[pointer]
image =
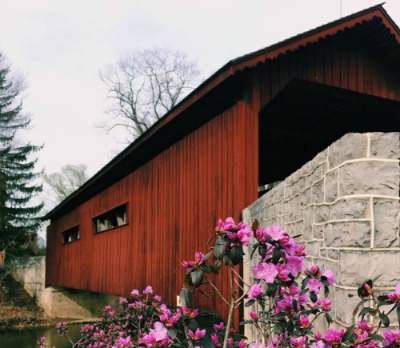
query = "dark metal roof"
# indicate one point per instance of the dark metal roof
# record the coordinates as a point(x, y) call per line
point(372, 24)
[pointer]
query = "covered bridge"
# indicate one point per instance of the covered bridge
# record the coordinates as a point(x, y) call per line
point(255, 121)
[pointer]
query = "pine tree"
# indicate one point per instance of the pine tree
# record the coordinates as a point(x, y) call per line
point(18, 216)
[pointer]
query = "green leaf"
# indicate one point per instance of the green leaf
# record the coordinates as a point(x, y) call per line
point(279, 328)
point(249, 303)
point(197, 277)
point(276, 255)
point(271, 289)
point(236, 255)
point(262, 250)
point(193, 324)
point(304, 283)
point(188, 279)
point(365, 311)
point(290, 328)
point(376, 336)
point(328, 318)
point(186, 297)
point(358, 306)
point(349, 334)
point(219, 248)
point(207, 256)
point(326, 292)
point(313, 297)
point(384, 319)
point(213, 269)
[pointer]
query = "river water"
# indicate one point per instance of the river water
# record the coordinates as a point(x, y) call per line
point(28, 338)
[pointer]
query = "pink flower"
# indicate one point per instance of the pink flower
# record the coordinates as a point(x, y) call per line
point(265, 271)
point(395, 296)
point(244, 234)
point(275, 233)
point(299, 342)
point(257, 345)
point(215, 339)
point(197, 335)
point(124, 342)
point(314, 285)
point(328, 274)
point(304, 321)
point(392, 337)
point(294, 265)
point(157, 298)
point(255, 291)
point(254, 316)
point(148, 290)
point(219, 327)
point(334, 337)
point(135, 292)
point(157, 335)
point(324, 303)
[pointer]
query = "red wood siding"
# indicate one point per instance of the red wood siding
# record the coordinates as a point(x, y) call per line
point(173, 203)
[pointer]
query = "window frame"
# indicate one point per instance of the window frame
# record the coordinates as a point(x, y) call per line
point(74, 230)
point(111, 219)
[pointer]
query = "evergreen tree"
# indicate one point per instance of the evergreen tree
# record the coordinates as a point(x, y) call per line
point(18, 216)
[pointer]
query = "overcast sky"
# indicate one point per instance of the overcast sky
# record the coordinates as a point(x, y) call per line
point(62, 44)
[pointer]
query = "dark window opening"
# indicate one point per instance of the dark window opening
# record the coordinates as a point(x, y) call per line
point(111, 219)
point(71, 235)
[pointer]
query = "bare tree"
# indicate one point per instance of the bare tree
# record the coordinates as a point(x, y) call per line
point(145, 85)
point(64, 182)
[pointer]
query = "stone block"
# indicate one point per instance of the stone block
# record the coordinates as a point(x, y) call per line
point(312, 249)
point(350, 209)
point(319, 172)
point(387, 222)
point(350, 146)
point(322, 213)
point(331, 186)
point(318, 231)
point(348, 234)
point(305, 197)
point(317, 192)
point(383, 267)
point(345, 301)
point(333, 254)
point(385, 145)
point(308, 220)
point(381, 178)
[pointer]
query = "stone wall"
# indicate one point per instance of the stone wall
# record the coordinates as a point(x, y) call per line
point(58, 303)
point(345, 205)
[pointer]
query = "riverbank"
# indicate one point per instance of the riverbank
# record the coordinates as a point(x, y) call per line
point(18, 310)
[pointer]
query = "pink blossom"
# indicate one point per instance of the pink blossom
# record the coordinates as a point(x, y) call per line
point(392, 337)
point(265, 271)
point(314, 285)
point(328, 274)
point(197, 335)
point(124, 342)
point(148, 290)
point(294, 265)
point(318, 344)
point(334, 337)
point(298, 342)
point(274, 232)
point(257, 345)
point(395, 296)
point(244, 234)
point(324, 303)
point(283, 273)
point(157, 298)
point(255, 291)
point(157, 335)
point(261, 234)
point(254, 316)
point(219, 327)
point(241, 344)
point(314, 269)
point(135, 292)
point(215, 339)
point(304, 321)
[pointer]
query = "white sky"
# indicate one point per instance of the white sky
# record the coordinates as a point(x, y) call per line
point(61, 44)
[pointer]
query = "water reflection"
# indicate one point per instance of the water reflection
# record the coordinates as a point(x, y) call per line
point(27, 338)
